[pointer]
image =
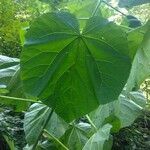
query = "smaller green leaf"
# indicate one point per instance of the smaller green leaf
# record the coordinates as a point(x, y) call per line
point(135, 38)
point(120, 113)
point(114, 121)
point(8, 67)
point(141, 64)
point(138, 98)
point(97, 141)
point(128, 111)
point(10, 83)
point(99, 115)
point(76, 136)
point(85, 127)
point(35, 119)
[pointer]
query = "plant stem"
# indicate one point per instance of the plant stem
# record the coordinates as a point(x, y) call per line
point(83, 18)
point(113, 8)
point(126, 27)
point(48, 118)
point(56, 139)
point(96, 8)
point(18, 99)
point(91, 122)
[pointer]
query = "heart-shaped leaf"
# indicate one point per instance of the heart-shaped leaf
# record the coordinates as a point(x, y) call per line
point(74, 71)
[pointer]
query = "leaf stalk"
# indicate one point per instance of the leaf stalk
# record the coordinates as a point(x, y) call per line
point(55, 139)
point(91, 122)
point(9, 98)
point(96, 8)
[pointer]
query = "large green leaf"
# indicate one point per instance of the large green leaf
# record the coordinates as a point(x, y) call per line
point(35, 119)
point(126, 109)
point(141, 64)
point(97, 141)
point(69, 70)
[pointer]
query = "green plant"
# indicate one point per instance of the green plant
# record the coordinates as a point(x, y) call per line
point(14, 15)
point(67, 71)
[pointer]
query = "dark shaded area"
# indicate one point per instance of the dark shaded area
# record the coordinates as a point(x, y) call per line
point(11, 49)
point(133, 21)
point(11, 125)
point(135, 137)
point(132, 3)
point(3, 144)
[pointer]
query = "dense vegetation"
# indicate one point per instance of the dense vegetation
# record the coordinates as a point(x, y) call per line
point(74, 74)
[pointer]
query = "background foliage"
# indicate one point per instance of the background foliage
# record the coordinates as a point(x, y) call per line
point(101, 125)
